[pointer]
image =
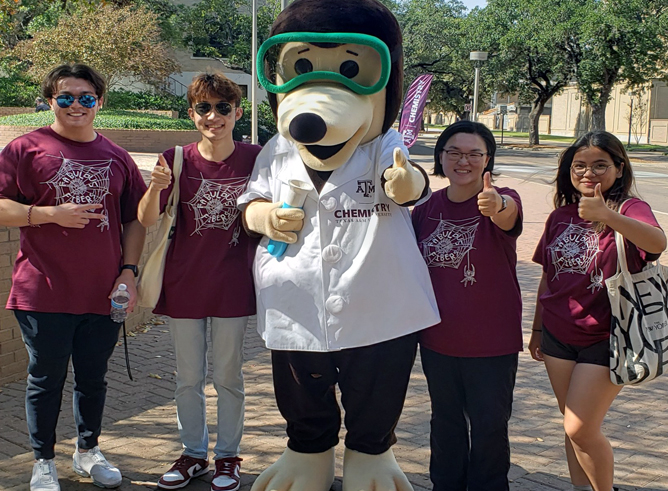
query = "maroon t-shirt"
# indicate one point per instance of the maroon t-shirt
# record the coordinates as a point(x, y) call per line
point(472, 266)
point(577, 261)
point(208, 271)
point(69, 270)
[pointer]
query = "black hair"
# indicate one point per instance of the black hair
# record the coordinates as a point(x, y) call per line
point(472, 128)
point(622, 188)
point(77, 70)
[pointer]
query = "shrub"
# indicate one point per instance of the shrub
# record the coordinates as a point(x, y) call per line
point(17, 91)
point(107, 119)
point(125, 99)
point(266, 127)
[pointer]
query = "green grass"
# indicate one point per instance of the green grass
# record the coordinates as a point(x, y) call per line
point(647, 148)
point(107, 119)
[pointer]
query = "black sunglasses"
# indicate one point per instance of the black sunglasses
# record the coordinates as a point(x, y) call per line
point(204, 108)
point(85, 100)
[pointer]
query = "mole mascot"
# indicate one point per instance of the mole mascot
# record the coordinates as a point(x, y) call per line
point(344, 301)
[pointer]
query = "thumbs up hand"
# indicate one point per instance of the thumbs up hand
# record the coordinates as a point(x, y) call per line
point(489, 200)
point(593, 208)
point(403, 182)
point(161, 176)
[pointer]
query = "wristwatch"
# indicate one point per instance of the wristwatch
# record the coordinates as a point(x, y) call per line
point(131, 267)
point(504, 204)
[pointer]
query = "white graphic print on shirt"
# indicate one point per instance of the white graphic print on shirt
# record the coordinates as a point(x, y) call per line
point(215, 204)
point(447, 246)
point(83, 182)
point(573, 251)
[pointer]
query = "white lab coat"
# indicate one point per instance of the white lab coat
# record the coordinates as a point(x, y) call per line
point(355, 277)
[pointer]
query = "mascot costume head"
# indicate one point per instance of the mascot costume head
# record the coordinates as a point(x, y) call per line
point(343, 298)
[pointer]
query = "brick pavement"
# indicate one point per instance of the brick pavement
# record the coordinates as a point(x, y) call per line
point(140, 434)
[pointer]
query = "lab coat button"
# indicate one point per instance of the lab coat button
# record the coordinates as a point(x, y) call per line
point(329, 203)
point(332, 254)
point(334, 304)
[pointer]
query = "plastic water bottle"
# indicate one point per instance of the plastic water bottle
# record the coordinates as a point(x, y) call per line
point(120, 300)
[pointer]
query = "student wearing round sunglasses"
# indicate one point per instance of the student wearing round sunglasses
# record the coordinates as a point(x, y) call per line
point(571, 329)
point(467, 233)
point(207, 279)
point(74, 195)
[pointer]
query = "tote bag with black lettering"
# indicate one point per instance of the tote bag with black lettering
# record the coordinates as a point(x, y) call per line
point(149, 285)
point(639, 331)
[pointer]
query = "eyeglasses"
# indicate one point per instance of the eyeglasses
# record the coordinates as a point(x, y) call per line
point(456, 156)
point(204, 108)
point(86, 100)
point(597, 169)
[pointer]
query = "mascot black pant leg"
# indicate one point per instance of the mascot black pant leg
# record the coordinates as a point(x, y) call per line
point(373, 381)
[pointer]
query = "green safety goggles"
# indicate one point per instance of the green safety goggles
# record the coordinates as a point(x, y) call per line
point(288, 60)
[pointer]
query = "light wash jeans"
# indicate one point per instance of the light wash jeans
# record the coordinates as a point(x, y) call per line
point(190, 348)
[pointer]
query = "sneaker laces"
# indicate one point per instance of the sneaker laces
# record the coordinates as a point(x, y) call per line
point(97, 456)
point(45, 470)
point(228, 466)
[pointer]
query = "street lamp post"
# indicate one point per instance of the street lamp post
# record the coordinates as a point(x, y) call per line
point(478, 57)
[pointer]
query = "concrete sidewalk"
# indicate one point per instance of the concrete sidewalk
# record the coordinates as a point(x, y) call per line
point(140, 433)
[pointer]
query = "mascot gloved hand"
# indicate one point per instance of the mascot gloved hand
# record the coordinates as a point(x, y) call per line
point(274, 221)
point(334, 76)
point(404, 183)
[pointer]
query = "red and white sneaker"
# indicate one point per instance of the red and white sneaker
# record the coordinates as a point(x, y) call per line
point(183, 470)
point(226, 477)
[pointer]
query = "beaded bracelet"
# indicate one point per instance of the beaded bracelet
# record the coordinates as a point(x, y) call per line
point(30, 224)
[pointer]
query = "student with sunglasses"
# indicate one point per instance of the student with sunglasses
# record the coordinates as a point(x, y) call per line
point(74, 195)
point(207, 279)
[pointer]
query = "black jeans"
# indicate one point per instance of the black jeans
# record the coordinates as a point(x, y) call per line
point(51, 339)
point(373, 381)
point(471, 403)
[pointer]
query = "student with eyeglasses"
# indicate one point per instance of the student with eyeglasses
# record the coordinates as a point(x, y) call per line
point(467, 233)
point(207, 279)
point(74, 195)
point(571, 328)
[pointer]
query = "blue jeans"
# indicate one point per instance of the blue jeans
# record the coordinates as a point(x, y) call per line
point(471, 403)
point(51, 339)
point(190, 348)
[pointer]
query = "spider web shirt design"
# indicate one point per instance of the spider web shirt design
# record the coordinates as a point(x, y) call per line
point(574, 250)
point(83, 182)
point(452, 240)
point(215, 203)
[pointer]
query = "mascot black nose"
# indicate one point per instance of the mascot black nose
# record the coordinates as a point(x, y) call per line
point(308, 128)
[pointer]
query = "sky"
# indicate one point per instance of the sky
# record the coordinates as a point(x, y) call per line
point(470, 4)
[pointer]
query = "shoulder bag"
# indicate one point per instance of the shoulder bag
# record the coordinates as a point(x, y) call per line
point(149, 285)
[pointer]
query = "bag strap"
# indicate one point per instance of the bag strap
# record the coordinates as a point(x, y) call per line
point(621, 248)
point(176, 172)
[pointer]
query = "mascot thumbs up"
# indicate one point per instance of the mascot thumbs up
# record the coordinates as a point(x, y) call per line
point(344, 301)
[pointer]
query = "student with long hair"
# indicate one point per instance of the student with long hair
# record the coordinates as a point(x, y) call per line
point(571, 327)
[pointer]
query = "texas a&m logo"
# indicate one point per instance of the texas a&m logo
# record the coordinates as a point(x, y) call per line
point(366, 188)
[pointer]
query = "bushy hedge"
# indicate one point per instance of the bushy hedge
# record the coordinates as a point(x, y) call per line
point(18, 92)
point(266, 127)
point(107, 119)
point(124, 99)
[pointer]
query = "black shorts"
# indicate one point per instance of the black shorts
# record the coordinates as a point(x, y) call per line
point(594, 354)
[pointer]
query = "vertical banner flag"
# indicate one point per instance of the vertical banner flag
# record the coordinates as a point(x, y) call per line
point(411, 113)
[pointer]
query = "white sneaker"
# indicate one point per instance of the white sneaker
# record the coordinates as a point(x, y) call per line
point(93, 464)
point(44, 476)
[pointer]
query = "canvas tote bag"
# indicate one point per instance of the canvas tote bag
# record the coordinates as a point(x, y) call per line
point(639, 330)
point(149, 284)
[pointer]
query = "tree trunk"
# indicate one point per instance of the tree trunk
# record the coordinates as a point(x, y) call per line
point(598, 116)
point(537, 107)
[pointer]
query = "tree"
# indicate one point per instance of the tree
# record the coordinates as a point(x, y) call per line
point(620, 41)
point(222, 29)
point(436, 42)
point(530, 45)
point(118, 42)
point(638, 113)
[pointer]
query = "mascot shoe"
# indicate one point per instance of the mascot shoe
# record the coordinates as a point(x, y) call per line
point(364, 472)
point(296, 471)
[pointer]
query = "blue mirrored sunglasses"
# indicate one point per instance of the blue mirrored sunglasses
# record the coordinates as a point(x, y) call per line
point(85, 100)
